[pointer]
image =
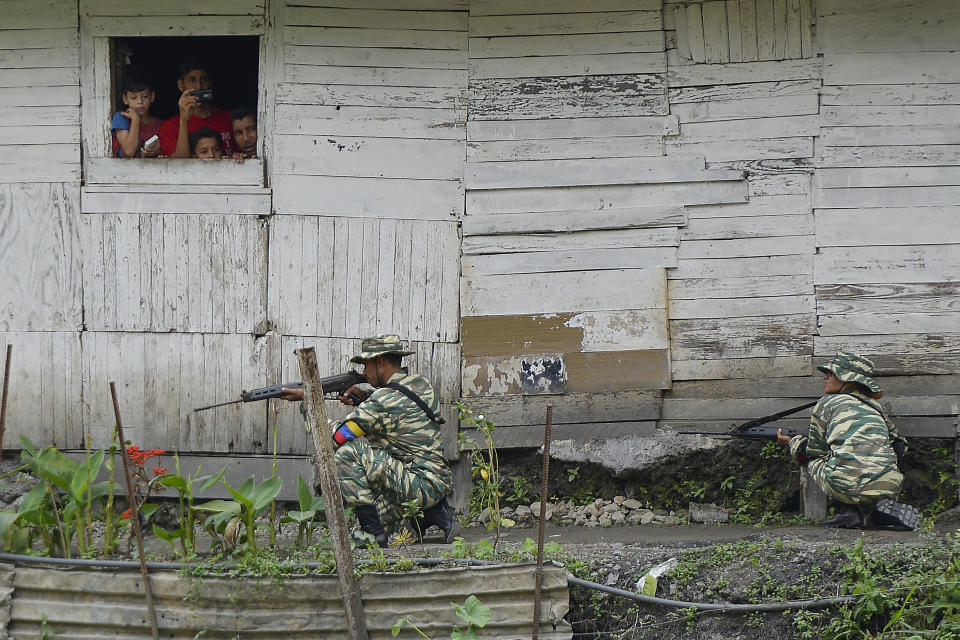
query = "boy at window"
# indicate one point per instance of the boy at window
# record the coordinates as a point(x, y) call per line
point(194, 114)
point(244, 122)
point(205, 144)
point(134, 125)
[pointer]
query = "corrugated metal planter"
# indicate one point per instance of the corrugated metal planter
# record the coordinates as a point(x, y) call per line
point(88, 604)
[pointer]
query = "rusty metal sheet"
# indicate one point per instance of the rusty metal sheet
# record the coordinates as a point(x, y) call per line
point(91, 604)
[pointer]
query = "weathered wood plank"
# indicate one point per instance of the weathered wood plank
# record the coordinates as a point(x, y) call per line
point(40, 272)
point(599, 197)
point(569, 221)
point(576, 408)
point(747, 247)
point(561, 66)
point(743, 267)
point(733, 287)
point(374, 76)
point(364, 96)
point(38, 58)
point(787, 183)
point(39, 96)
point(854, 299)
point(765, 226)
point(743, 92)
point(719, 338)
point(376, 18)
point(176, 200)
point(581, 291)
point(838, 265)
point(601, 239)
point(44, 401)
point(742, 307)
point(748, 34)
point(772, 205)
point(24, 172)
point(565, 148)
point(628, 94)
point(737, 73)
point(141, 171)
point(889, 156)
point(884, 115)
point(171, 8)
point(734, 29)
point(887, 177)
point(362, 157)
point(779, 366)
point(571, 128)
point(571, 173)
point(915, 134)
point(899, 27)
point(370, 122)
point(505, 335)
point(910, 94)
point(618, 371)
point(757, 128)
point(693, 37)
point(569, 23)
point(870, 197)
point(532, 435)
point(532, 374)
point(153, 26)
point(747, 109)
point(365, 37)
point(901, 354)
point(891, 68)
point(891, 324)
point(508, 8)
point(368, 197)
point(889, 226)
point(731, 150)
point(716, 37)
point(568, 260)
point(571, 44)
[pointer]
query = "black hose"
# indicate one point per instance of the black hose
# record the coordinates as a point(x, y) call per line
point(821, 603)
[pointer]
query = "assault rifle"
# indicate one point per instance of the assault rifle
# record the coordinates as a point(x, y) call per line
point(754, 429)
point(331, 384)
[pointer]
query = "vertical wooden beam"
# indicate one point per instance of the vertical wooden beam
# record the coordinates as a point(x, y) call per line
point(695, 33)
point(734, 30)
point(332, 499)
point(748, 30)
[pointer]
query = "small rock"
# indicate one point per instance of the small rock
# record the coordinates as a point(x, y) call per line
point(646, 516)
point(617, 517)
point(484, 516)
point(507, 512)
point(535, 507)
point(561, 509)
point(660, 519)
point(672, 521)
point(613, 578)
point(610, 508)
point(591, 511)
point(522, 511)
point(631, 504)
point(700, 512)
point(618, 499)
point(660, 512)
point(634, 518)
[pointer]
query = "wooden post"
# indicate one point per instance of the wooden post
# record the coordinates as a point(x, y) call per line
point(3, 399)
point(333, 501)
point(812, 499)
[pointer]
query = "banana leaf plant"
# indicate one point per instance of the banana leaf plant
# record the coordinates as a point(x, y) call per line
point(306, 516)
point(250, 501)
point(187, 488)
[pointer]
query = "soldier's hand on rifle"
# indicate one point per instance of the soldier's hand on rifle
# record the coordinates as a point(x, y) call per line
point(782, 440)
point(291, 394)
point(349, 397)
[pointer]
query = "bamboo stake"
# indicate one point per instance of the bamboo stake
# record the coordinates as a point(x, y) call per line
point(544, 487)
point(3, 399)
point(135, 515)
point(326, 471)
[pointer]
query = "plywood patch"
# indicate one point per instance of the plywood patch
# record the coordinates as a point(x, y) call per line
point(505, 335)
point(618, 370)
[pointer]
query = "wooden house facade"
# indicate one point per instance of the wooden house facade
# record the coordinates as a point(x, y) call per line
point(643, 212)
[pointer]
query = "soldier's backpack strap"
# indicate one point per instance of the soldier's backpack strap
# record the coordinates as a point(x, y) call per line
point(419, 402)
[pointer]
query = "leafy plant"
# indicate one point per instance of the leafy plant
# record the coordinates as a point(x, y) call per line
point(250, 501)
point(474, 613)
point(187, 488)
point(485, 467)
point(310, 506)
point(520, 493)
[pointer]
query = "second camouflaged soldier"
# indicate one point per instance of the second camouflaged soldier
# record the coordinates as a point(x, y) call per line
point(389, 449)
point(853, 448)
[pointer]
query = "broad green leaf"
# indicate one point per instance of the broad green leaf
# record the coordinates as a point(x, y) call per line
point(177, 482)
point(242, 495)
point(169, 536)
point(7, 518)
point(56, 467)
point(100, 491)
point(33, 501)
point(263, 495)
point(304, 495)
point(148, 509)
point(220, 506)
point(208, 481)
point(298, 516)
point(85, 475)
point(27, 447)
point(395, 629)
point(473, 612)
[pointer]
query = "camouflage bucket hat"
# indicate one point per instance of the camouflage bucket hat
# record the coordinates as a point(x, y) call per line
point(378, 346)
point(850, 367)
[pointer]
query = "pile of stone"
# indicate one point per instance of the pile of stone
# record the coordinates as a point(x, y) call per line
point(599, 513)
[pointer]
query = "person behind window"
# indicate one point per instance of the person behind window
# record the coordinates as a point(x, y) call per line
point(133, 126)
point(205, 143)
point(195, 113)
point(243, 120)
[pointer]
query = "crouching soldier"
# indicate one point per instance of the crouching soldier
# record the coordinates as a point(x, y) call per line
point(853, 448)
point(389, 449)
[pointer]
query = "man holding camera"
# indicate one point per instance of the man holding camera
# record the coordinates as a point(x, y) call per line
point(196, 111)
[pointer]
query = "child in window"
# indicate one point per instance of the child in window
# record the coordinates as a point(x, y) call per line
point(206, 143)
point(133, 126)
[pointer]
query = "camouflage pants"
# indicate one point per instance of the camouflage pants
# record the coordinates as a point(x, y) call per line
point(846, 486)
point(369, 476)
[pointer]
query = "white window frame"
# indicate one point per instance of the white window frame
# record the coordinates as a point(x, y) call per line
point(134, 185)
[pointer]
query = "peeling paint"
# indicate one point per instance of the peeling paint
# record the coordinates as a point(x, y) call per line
point(621, 330)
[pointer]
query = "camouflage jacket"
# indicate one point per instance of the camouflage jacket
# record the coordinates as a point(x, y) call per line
point(393, 422)
point(854, 430)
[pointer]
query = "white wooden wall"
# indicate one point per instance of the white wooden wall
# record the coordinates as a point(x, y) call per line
point(638, 211)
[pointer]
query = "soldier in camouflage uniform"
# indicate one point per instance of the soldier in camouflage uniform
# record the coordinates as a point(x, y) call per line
point(853, 447)
point(389, 448)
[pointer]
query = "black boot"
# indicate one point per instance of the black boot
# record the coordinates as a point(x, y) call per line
point(441, 515)
point(847, 516)
point(370, 523)
point(890, 513)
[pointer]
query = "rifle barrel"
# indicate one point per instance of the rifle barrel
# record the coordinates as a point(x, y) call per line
point(221, 404)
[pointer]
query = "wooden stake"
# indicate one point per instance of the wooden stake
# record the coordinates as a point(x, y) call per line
point(135, 515)
point(3, 399)
point(326, 471)
point(541, 524)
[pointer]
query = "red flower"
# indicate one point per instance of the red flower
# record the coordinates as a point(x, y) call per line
point(159, 471)
point(126, 515)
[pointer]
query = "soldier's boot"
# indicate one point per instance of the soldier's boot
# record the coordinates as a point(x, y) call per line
point(847, 516)
point(441, 515)
point(370, 523)
point(892, 513)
